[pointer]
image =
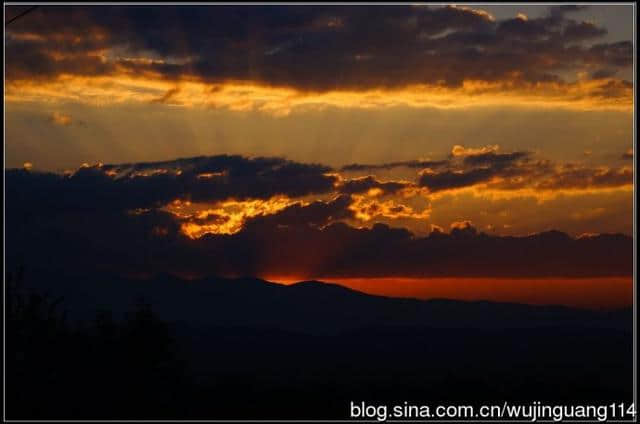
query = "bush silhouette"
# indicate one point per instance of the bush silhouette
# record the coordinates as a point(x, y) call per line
point(105, 368)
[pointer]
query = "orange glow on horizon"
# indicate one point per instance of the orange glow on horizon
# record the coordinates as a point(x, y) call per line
point(592, 293)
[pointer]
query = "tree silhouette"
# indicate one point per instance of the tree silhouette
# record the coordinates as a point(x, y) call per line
point(105, 368)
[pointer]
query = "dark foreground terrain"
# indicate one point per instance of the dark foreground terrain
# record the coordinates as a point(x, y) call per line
point(104, 347)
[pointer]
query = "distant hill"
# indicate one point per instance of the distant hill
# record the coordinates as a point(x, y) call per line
point(308, 307)
point(304, 351)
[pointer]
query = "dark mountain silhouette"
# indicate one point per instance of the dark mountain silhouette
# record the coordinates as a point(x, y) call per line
point(309, 306)
point(250, 349)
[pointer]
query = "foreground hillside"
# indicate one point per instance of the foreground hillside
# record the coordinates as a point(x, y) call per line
point(213, 347)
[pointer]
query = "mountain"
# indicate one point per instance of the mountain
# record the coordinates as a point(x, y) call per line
point(311, 307)
point(306, 350)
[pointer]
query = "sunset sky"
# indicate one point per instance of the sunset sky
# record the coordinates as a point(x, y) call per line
point(202, 132)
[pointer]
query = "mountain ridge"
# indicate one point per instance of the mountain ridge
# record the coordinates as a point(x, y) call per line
point(308, 306)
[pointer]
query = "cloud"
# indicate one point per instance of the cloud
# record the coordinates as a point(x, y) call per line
point(458, 150)
point(167, 97)
point(225, 217)
point(628, 154)
point(436, 181)
point(303, 241)
point(603, 73)
point(518, 170)
point(372, 185)
point(59, 118)
point(495, 160)
point(419, 164)
point(234, 215)
point(207, 182)
point(463, 226)
point(366, 209)
point(582, 31)
point(588, 214)
point(155, 184)
point(315, 214)
point(318, 49)
point(560, 11)
point(575, 176)
point(473, 166)
point(231, 217)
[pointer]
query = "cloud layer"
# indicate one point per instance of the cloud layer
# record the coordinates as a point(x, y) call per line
point(235, 215)
point(318, 49)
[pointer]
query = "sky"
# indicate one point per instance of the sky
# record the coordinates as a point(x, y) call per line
point(213, 129)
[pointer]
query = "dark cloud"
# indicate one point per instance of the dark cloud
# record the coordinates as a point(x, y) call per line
point(612, 89)
point(417, 164)
point(154, 184)
point(518, 170)
point(316, 214)
point(130, 186)
point(301, 241)
point(167, 97)
point(603, 73)
point(364, 184)
point(618, 54)
point(571, 176)
point(582, 31)
point(495, 160)
point(476, 168)
point(437, 181)
point(109, 218)
point(464, 229)
point(309, 47)
point(561, 10)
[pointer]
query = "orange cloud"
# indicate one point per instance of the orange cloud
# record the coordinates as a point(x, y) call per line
point(460, 225)
point(281, 101)
point(588, 214)
point(454, 56)
point(485, 191)
point(60, 118)
point(458, 150)
point(366, 208)
point(226, 217)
